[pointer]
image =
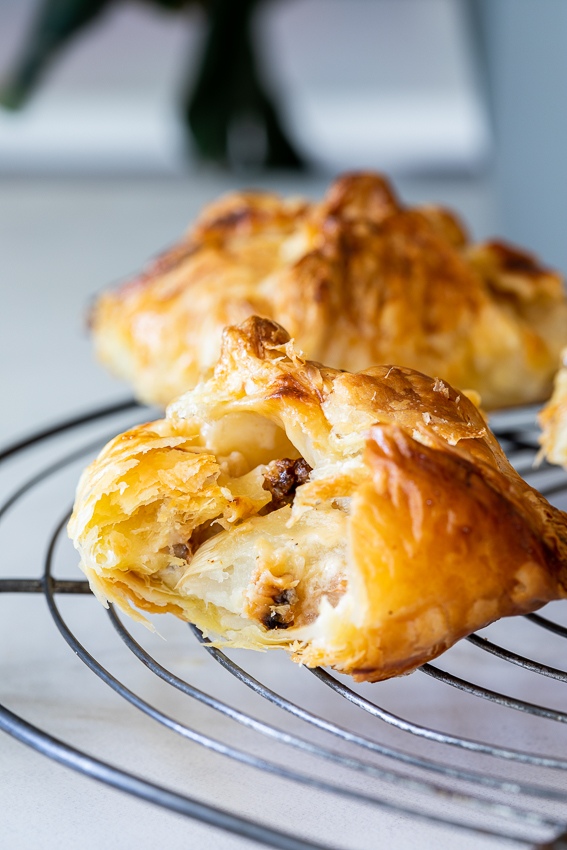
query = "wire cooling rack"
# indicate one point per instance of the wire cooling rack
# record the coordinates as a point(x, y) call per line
point(518, 795)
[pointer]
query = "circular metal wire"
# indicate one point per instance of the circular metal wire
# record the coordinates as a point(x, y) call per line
point(431, 780)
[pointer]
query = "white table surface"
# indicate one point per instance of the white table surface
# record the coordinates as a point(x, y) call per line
point(59, 243)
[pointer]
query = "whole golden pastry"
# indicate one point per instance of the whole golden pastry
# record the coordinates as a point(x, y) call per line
point(363, 521)
point(357, 280)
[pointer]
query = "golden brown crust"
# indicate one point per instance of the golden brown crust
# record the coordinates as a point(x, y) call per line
point(431, 520)
point(357, 279)
point(407, 530)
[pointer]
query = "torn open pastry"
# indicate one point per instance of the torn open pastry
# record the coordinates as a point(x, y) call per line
point(363, 521)
point(357, 279)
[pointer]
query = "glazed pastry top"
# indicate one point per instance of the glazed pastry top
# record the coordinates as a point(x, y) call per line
point(358, 280)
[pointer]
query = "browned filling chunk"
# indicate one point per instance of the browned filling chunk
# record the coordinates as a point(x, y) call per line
point(271, 599)
point(200, 535)
point(281, 479)
point(280, 615)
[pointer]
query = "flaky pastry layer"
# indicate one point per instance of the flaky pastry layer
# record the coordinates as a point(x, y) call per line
point(358, 279)
point(363, 521)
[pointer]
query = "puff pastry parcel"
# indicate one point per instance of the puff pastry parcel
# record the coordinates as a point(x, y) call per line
point(553, 420)
point(364, 521)
point(357, 280)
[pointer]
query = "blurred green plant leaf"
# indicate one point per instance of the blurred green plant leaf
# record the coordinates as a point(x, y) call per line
point(56, 22)
point(232, 118)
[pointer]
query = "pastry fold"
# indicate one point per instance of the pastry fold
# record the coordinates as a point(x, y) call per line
point(362, 521)
point(357, 279)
